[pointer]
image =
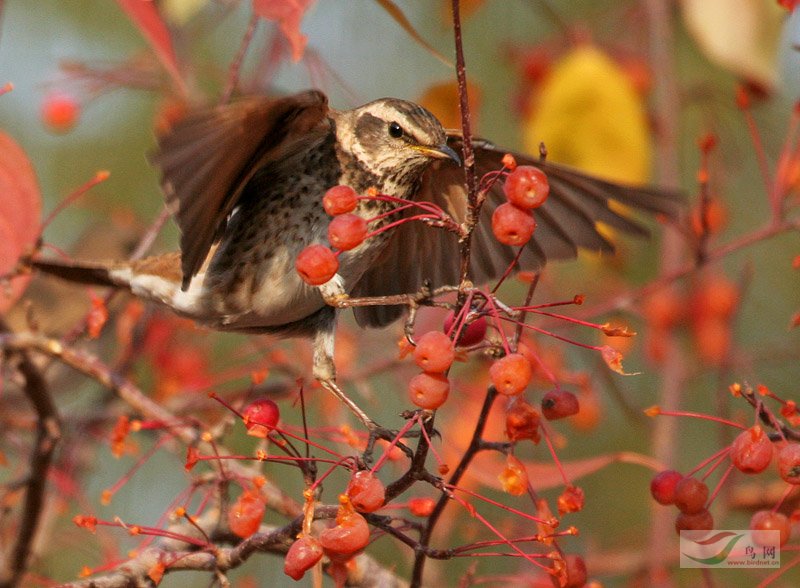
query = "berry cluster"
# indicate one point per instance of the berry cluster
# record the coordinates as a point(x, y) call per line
point(751, 453)
point(317, 264)
point(525, 188)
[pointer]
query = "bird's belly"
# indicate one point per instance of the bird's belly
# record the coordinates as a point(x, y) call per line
point(267, 294)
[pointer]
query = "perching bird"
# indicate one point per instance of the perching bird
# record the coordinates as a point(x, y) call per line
point(248, 178)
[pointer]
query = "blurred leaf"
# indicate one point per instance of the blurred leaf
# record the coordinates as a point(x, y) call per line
point(145, 16)
point(288, 14)
point(20, 212)
point(739, 35)
point(589, 115)
point(442, 100)
point(400, 18)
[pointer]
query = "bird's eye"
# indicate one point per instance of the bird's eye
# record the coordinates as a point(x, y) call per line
point(395, 130)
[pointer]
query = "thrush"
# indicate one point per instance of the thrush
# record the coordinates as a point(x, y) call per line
point(246, 182)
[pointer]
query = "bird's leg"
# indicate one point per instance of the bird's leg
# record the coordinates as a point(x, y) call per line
point(325, 371)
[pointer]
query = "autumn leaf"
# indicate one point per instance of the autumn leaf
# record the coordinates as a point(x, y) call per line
point(443, 101)
point(590, 116)
point(20, 211)
point(145, 15)
point(741, 36)
point(287, 14)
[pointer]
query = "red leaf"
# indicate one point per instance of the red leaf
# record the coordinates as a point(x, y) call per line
point(145, 16)
point(288, 14)
point(20, 211)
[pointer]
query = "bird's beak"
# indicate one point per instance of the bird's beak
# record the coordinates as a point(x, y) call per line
point(439, 152)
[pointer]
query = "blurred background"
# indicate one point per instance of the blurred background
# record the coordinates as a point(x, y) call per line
point(584, 77)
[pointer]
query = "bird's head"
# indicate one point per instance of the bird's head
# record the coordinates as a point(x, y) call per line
point(392, 137)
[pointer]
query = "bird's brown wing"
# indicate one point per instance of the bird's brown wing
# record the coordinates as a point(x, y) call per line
point(566, 223)
point(208, 157)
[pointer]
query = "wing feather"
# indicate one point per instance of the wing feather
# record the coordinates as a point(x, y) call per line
point(568, 221)
point(208, 157)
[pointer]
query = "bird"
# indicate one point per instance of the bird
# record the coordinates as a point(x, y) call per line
point(245, 182)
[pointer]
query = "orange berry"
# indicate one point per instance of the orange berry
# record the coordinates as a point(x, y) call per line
point(60, 112)
point(428, 391)
point(434, 352)
point(316, 264)
point(510, 374)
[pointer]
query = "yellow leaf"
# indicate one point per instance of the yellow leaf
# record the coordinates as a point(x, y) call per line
point(589, 116)
point(740, 35)
point(179, 12)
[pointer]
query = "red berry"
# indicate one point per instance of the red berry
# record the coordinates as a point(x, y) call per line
point(347, 538)
point(512, 225)
point(766, 520)
point(698, 521)
point(316, 264)
point(576, 571)
point(60, 112)
point(558, 404)
point(301, 557)
point(428, 391)
point(662, 486)
point(527, 187)
point(434, 352)
point(366, 492)
point(261, 416)
point(421, 507)
point(339, 200)
point(690, 495)
point(789, 463)
point(244, 516)
point(510, 374)
point(470, 334)
point(522, 422)
point(751, 451)
point(347, 231)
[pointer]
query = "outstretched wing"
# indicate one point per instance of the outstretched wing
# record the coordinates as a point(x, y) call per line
point(208, 157)
point(566, 223)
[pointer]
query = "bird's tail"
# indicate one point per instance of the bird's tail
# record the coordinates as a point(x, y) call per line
point(80, 272)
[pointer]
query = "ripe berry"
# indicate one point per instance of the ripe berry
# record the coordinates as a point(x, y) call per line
point(60, 112)
point(347, 231)
point(303, 555)
point(557, 404)
point(244, 516)
point(751, 451)
point(512, 225)
point(366, 492)
point(698, 521)
point(789, 463)
point(348, 537)
point(316, 264)
point(434, 352)
point(470, 334)
point(510, 374)
point(522, 422)
point(662, 486)
point(527, 187)
point(261, 416)
point(766, 520)
point(690, 495)
point(339, 200)
point(428, 391)
point(421, 507)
